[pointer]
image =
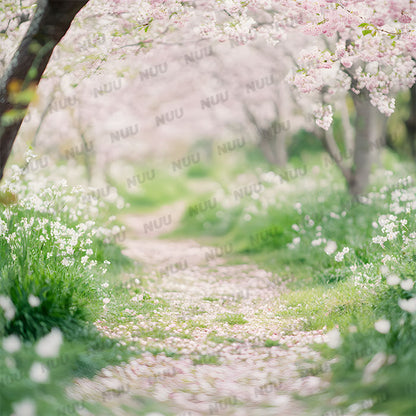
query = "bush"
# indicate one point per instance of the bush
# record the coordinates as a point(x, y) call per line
point(55, 245)
point(48, 266)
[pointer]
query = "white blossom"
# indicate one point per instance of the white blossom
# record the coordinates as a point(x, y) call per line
point(408, 305)
point(407, 284)
point(334, 339)
point(49, 345)
point(382, 326)
point(393, 279)
point(8, 307)
point(34, 301)
point(26, 407)
point(39, 373)
point(330, 247)
point(12, 343)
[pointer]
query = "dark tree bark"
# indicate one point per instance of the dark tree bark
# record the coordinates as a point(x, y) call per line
point(50, 22)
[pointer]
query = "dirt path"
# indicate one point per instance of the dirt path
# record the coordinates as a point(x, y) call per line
point(227, 351)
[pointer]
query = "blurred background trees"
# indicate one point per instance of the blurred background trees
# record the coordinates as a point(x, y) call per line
point(129, 85)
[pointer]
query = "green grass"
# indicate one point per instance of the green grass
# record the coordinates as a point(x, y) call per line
point(232, 318)
point(351, 294)
point(206, 360)
point(342, 304)
point(270, 343)
point(220, 339)
point(162, 190)
point(55, 271)
point(210, 299)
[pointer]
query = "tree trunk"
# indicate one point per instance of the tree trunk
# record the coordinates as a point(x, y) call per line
point(273, 147)
point(280, 150)
point(50, 22)
point(370, 130)
point(347, 127)
point(411, 121)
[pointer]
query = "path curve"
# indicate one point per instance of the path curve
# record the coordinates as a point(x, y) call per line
point(234, 354)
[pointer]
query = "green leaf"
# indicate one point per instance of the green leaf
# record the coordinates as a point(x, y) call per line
point(366, 31)
point(32, 73)
point(11, 117)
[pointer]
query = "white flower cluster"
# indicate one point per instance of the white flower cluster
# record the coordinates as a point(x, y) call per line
point(340, 255)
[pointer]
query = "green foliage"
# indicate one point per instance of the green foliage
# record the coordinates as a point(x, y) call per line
point(163, 189)
point(232, 318)
point(206, 360)
point(288, 228)
point(52, 267)
point(270, 343)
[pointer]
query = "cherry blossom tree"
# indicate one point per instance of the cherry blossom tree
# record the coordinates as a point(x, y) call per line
point(364, 49)
point(49, 24)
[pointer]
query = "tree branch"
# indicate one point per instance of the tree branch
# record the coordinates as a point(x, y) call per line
point(50, 22)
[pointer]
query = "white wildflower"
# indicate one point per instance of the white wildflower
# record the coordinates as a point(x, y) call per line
point(34, 301)
point(67, 262)
point(115, 230)
point(379, 240)
point(339, 256)
point(26, 407)
point(92, 264)
point(49, 345)
point(330, 247)
point(334, 339)
point(3, 227)
point(106, 301)
point(393, 279)
point(407, 284)
point(11, 344)
point(39, 373)
point(295, 227)
point(382, 326)
point(408, 305)
point(8, 307)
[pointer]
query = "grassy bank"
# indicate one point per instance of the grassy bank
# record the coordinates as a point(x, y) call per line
point(350, 265)
point(60, 268)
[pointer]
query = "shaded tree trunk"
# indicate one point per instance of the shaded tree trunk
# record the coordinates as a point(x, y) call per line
point(273, 147)
point(272, 139)
point(370, 137)
point(411, 121)
point(50, 22)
